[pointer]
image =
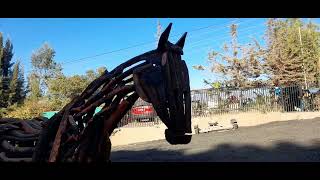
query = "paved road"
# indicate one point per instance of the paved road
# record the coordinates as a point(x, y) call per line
point(278, 141)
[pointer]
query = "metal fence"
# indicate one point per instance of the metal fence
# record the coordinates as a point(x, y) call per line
point(266, 99)
point(209, 102)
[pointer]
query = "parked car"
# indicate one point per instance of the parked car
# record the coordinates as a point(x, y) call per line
point(142, 111)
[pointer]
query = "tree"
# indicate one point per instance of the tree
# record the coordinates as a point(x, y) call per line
point(310, 51)
point(6, 54)
point(241, 65)
point(17, 93)
point(44, 68)
point(292, 51)
point(21, 84)
point(215, 85)
point(2, 93)
point(3, 97)
point(62, 89)
point(90, 76)
point(1, 51)
point(6, 58)
point(67, 87)
point(34, 86)
point(101, 70)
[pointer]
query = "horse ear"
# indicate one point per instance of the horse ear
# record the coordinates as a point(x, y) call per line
point(164, 37)
point(181, 41)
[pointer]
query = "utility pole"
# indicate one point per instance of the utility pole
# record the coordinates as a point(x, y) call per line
point(158, 34)
point(304, 70)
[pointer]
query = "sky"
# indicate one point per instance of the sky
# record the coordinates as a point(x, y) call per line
point(82, 44)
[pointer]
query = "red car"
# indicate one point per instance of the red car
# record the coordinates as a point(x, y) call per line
point(142, 111)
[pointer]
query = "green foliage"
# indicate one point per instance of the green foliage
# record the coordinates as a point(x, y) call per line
point(65, 88)
point(6, 54)
point(17, 92)
point(3, 112)
point(62, 89)
point(291, 57)
point(1, 52)
point(43, 61)
point(44, 68)
point(90, 75)
point(240, 65)
point(28, 110)
point(34, 86)
point(215, 85)
point(3, 94)
point(48, 88)
point(101, 70)
point(6, 58)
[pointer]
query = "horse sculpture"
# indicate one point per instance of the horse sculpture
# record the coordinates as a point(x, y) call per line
point(76, 134)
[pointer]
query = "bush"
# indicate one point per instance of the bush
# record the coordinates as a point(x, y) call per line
point(3, 112)
point(29, 109)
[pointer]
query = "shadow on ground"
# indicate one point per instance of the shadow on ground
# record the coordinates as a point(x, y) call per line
point(279, 152)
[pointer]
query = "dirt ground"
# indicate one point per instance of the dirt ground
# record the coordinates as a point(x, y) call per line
point(133, 135)
point(290, 141)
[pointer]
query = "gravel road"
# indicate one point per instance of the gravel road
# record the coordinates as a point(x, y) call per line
point(289, 141)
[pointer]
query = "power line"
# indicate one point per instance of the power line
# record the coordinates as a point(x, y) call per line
point(145, 43)
point(206, 45)
point(193, 51)
point(243, 22)
point(138, 45)
point(222, 26)
point(245, 30)
point(191, 37)
point(218, 39)
point(242, 37)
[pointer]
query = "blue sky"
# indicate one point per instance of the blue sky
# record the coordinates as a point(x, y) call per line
point(74, 39)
